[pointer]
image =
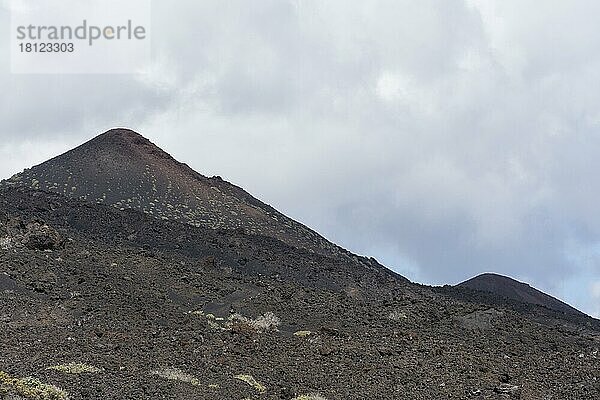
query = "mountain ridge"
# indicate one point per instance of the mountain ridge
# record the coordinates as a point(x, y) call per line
point(150, 180)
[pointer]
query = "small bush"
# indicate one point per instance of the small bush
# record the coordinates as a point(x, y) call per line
point(266, 322)
point(238, 323)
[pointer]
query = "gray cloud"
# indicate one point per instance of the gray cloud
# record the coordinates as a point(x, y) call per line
point(46, 105)
point(445, 138)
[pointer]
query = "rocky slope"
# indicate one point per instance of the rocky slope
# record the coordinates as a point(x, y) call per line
point(102, 303)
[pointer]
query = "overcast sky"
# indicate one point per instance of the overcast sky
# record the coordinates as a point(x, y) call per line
point(444, 138)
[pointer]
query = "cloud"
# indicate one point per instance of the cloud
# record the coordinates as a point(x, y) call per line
point(596, 290)
point(595, 294)
point(444, 138)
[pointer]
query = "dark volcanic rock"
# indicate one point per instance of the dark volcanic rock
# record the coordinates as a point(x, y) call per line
point(34, 235)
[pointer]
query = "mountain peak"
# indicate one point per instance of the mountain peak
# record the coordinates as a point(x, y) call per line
point(119, 136)
point(122, 168)
point(123, 140)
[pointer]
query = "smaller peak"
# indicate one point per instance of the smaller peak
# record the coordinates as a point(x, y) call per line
point(489, 275)
point(493, 279)
point(120, 133)
point(496, 277)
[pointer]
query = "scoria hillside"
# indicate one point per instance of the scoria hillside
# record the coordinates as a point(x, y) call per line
point(105, 302)
point(122, 168)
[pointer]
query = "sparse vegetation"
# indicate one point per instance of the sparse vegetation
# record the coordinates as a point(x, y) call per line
point(241, 324)
point(174, 374)
point(249, 379)
point(314, 396)
point(29, 388)
point(75, 368)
